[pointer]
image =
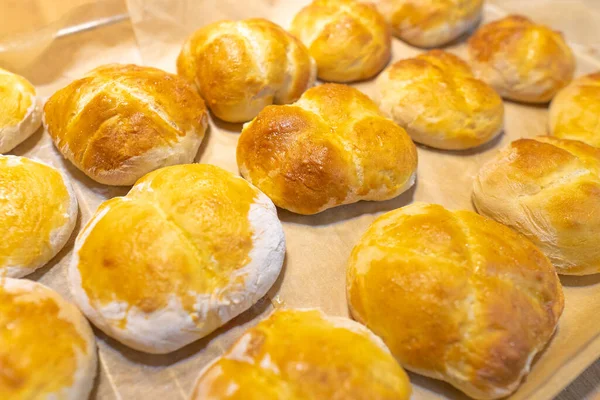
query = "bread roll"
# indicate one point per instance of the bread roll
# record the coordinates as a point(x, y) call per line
point(439, 102)
point(430, 23)
point(241, 67)
point(575, 109)
point(120, 122)
point(20, 110)
point(48, 350)
point(189, 248)
point(349, 40)
point(304, 354)
point(331, 147)
point(549, 190)
point(38, 211)
point(455, 296)
point(522, 60)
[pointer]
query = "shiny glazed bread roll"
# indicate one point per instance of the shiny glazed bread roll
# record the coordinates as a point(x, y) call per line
point(189, 248)
point(522, 60)
point(120, 122)
point(241, 67)
point(38, 211)
point(439, 102)
point(549, 190)
point(349, 40)
point(331, 147)
point(455, 296)
point(430, 23)
point(48, 348)
point(20, 110)
point(575, 109)
point(304, 355)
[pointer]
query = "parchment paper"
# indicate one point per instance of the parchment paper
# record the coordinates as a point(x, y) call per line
point(318, 246)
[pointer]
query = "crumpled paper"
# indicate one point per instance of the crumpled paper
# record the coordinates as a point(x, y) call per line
point(319, 245)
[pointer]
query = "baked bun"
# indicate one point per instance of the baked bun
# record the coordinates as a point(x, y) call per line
point(522, 60)
point(549, 190)
point(189, 248)
point(455, 296)
point(241, 67)
point(349, 40)
point(120, 122)
point(430, 23)
point(38, 211)
point(331, 147)
point(575, 109)
point(304, 354)
point(48, 347)
point(439, 102)
point(20, 110)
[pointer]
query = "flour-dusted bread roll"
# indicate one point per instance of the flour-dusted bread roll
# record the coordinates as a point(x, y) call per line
point(439, 102)
point(349, 40)
point(20, 110)
point(522, 60)
point(189, 248)
point(575, 109)
point(48, 350)
point(455, 296)
point(301, 355)
point(38, 211)
point(120, 122)
point(430, 23)
point(331, 147)
point(241, 67)
point(549, 190)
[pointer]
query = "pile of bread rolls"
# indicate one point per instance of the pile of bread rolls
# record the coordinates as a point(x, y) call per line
point(453, 295)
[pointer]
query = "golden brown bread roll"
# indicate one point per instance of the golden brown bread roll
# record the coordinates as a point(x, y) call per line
point(522, 60)
point(575, 109)
point(331, 147)
point(120, 122)
point(304, 355)
point(38, 211)
point(439, 102)
point(48, 350)
point(189, 248)
point(430, 23)
point(20, 110)
point(549, 190)
point(455, 296)
point(241, 67)
point(349, 40)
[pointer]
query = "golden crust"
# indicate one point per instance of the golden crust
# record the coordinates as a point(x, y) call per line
point(47, 349)
point(549, 190)
point(430, 23)
point(332, 147)
point(241, 67)
point(455, 296)
point(349, 40)
point(120, 122)
point(37, 214)
point(439, 102)
point(304, 355)
point(575, 109)
point(522, 60)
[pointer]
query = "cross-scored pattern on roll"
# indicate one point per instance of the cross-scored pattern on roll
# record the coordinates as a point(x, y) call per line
point(241, 67)
point(349, 40)
point(455, 296)
point(549, 190)
point(331, 147)
point(120, 122)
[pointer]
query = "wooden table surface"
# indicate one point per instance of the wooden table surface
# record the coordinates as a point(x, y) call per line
point(37, 12)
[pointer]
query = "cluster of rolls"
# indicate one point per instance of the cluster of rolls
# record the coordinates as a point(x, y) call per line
point(469, 299)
